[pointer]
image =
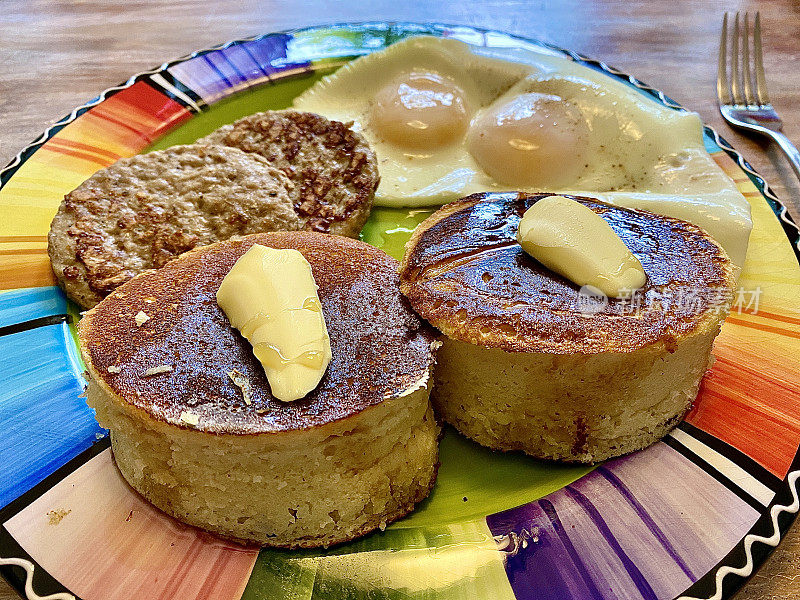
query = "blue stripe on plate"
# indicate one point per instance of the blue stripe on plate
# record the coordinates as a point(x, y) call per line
point(44, 422)
point(29, 304)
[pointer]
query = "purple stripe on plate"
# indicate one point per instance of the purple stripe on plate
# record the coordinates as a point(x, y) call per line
point(541, 561)
point(635, 574)
point(217, 74)
point(699, 517)
point(224, 69)
point(646, 519)
point(245, 65)
point(638, 527)
point(200, 76)
point(551, 513)
point(270, 53)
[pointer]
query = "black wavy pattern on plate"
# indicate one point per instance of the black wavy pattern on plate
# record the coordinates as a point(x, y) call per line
point(41, 581)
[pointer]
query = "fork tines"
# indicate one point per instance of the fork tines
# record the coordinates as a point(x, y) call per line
point(744, 89)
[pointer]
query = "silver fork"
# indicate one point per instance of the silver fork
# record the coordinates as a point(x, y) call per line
point(745, 103)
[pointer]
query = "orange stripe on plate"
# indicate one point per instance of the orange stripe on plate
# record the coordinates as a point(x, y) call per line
point(773, 316)
point(762, 327)
point(86, 147)
point(25, 271)
point(752, 402)
point(755, 373)
point(5, 239)
point(19, 251)
point(105, 116)
point(730, 402)
point(76, 154)
point(725, 162)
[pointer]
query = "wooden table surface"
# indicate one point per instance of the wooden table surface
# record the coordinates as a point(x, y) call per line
point(55, 55)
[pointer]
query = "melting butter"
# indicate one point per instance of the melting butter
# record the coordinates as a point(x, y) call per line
point(575, 242)
point(270, 296)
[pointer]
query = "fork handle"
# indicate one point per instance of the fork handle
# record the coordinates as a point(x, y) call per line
point(788, 149)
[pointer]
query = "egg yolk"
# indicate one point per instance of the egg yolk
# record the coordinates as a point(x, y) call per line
point(421, 111)
point(532, 140)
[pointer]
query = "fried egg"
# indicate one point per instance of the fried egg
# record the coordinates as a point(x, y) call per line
point(414, 102)
point(447, 119)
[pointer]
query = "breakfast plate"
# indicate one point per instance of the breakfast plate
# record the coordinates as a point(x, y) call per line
point(690, 516)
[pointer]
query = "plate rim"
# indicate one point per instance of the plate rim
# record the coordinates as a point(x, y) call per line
point(769, 529)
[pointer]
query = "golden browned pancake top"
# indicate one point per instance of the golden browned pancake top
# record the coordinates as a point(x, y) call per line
point(465, 272)
point(380, 347)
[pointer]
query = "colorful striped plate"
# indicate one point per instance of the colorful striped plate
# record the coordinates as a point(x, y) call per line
point(689, 517)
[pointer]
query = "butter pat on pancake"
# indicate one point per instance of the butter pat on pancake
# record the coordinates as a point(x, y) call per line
point(269, 295)
point(575, 242)
point(205, 440)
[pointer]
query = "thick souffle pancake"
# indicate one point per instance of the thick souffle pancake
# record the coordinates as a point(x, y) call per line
point(357, 452)
point(531, 363)
point(143, 211)
point(333, 171)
